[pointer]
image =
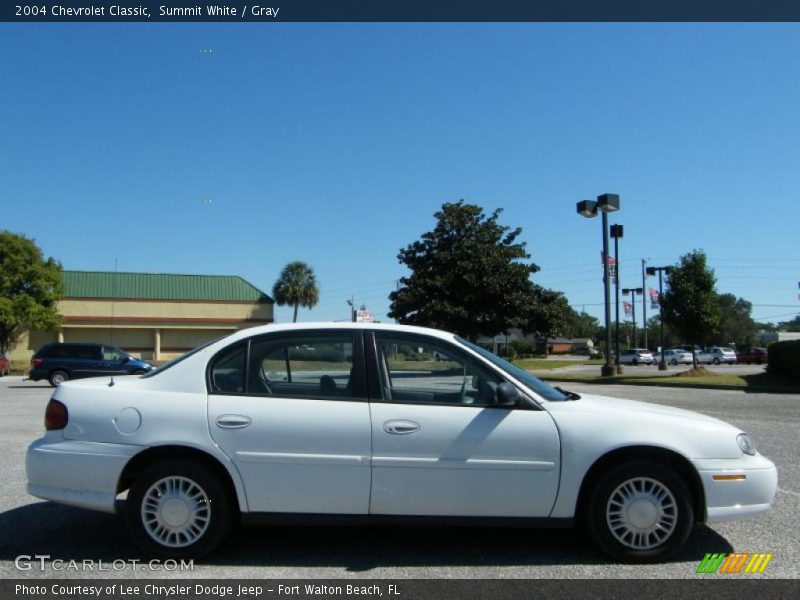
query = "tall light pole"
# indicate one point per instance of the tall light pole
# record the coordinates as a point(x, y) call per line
point(662, 364)
point(616, 234)
point(644, 304)
point(589, 208)
point(633, 292)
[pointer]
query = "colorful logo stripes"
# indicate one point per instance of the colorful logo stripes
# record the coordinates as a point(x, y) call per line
point(736, 562)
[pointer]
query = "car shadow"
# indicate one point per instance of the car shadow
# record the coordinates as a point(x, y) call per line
point(28, 387)
point(68, 533)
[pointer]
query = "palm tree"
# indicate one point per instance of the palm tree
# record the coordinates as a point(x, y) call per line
point(297, 286)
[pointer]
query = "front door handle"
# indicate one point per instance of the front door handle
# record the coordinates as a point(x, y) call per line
point(400, 427)
point(233, 421)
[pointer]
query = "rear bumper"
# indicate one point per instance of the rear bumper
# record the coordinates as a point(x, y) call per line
point(82, 474)
point(37, 374)
point(729, 499)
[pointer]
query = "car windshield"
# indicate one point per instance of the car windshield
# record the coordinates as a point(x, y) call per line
point(537, 385)
point(175, 361)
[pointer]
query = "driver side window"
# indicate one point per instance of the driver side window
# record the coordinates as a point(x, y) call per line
point(420, 370)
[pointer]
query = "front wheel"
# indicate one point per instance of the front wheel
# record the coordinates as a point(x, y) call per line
point(178, 509)
point(640, 512)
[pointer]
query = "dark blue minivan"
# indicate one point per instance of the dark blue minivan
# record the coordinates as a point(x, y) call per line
point(60, 362)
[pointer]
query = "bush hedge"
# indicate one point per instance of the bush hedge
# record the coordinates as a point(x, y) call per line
point(784, 358)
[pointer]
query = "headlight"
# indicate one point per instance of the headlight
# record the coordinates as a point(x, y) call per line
point(746, 445)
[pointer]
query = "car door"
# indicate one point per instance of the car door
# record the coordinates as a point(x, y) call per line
point(85, 360)
point(440, 444)
point(290, 410)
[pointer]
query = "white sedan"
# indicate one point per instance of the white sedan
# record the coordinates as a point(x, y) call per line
point(385, 424)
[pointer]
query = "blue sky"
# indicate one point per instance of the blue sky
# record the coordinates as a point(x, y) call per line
point(336, 143)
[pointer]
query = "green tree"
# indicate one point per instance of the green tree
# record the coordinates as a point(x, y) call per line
point(691, 304)
point(580, 325)
point(736, 327)
point(547, 314)
point(469, 275)
point(30, 287)
point(296, 286)
point(793, 325)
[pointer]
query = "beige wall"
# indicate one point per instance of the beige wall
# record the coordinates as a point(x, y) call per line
point(172, 310)
point(182, 326)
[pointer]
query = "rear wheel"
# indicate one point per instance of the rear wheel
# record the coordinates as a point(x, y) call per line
point(178, 509)
point(635, 362)
point(640, 512)
point(716, 361)
point(58, 377)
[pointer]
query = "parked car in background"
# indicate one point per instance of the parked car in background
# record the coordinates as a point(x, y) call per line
point(752, 355)
point(60, 362)
point(258, 426)
point(590, 352)
point(636, 356)
point(717, 355)
point(676, 356)
point(5, 365)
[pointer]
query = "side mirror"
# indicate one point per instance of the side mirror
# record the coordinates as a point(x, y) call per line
point(507, 395)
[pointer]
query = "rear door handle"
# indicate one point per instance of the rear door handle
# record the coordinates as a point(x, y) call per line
point(400, 427)
point(233, 421)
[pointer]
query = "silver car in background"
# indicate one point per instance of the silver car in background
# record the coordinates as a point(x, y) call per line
point(676, 356)
point(636, 356)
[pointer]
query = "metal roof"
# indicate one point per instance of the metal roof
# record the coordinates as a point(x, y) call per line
point(160, 286)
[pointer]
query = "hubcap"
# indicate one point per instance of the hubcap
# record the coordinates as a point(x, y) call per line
point(58, 378)
point(175, 511)
point(642, 513)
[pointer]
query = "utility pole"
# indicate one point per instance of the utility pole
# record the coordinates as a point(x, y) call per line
point(633, 292)
point(616, 233)
point(662, 365)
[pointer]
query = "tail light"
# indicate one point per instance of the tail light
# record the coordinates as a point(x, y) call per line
point(55, 416)
point(37, 361)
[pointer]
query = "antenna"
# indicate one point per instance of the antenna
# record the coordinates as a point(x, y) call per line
point(113, 296)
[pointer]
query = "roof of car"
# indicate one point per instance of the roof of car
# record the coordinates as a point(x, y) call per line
point(276, 327)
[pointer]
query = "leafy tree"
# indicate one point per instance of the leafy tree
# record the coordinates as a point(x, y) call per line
point(547, 314)
point(580, 325)
point(690, 305)
point(793, 325)
point(30, 287)
point(654, 334)
point(469, 275)
point(296, 286)
point(736, 327)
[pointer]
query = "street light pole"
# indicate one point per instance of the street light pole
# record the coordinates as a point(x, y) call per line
point(616, 233)
point(605, 203)
point(644, 305)
point(633, 292)
point(662, 365)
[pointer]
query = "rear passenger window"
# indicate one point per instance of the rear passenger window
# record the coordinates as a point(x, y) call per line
point(228, 370)
point(313, 366)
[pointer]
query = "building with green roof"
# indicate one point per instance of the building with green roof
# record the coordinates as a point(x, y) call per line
point(153, 315)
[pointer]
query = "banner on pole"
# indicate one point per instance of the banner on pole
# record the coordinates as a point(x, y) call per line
point(628, 308)
point(612, 266)
point(653, 297)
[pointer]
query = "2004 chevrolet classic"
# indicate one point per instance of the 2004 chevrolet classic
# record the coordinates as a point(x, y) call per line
point(384, 423)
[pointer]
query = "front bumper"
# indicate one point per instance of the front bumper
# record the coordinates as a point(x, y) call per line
point(82, 474)
point(746, 486)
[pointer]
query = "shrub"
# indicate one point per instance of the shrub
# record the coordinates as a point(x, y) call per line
point(523, 348)
point(784, 358)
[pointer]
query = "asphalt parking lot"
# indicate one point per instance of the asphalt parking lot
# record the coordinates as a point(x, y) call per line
point(29, 526)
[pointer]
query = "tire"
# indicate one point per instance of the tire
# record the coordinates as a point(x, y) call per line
point(58, 377)
point(673, 362)
point(635, 363)
point(210, 519)
point(664, 504)
point(715, 361)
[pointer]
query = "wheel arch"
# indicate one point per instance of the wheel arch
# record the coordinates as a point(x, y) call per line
point(143, 460)
point(677, 462)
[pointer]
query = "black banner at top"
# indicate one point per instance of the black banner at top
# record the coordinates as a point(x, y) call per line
point(398, 10)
